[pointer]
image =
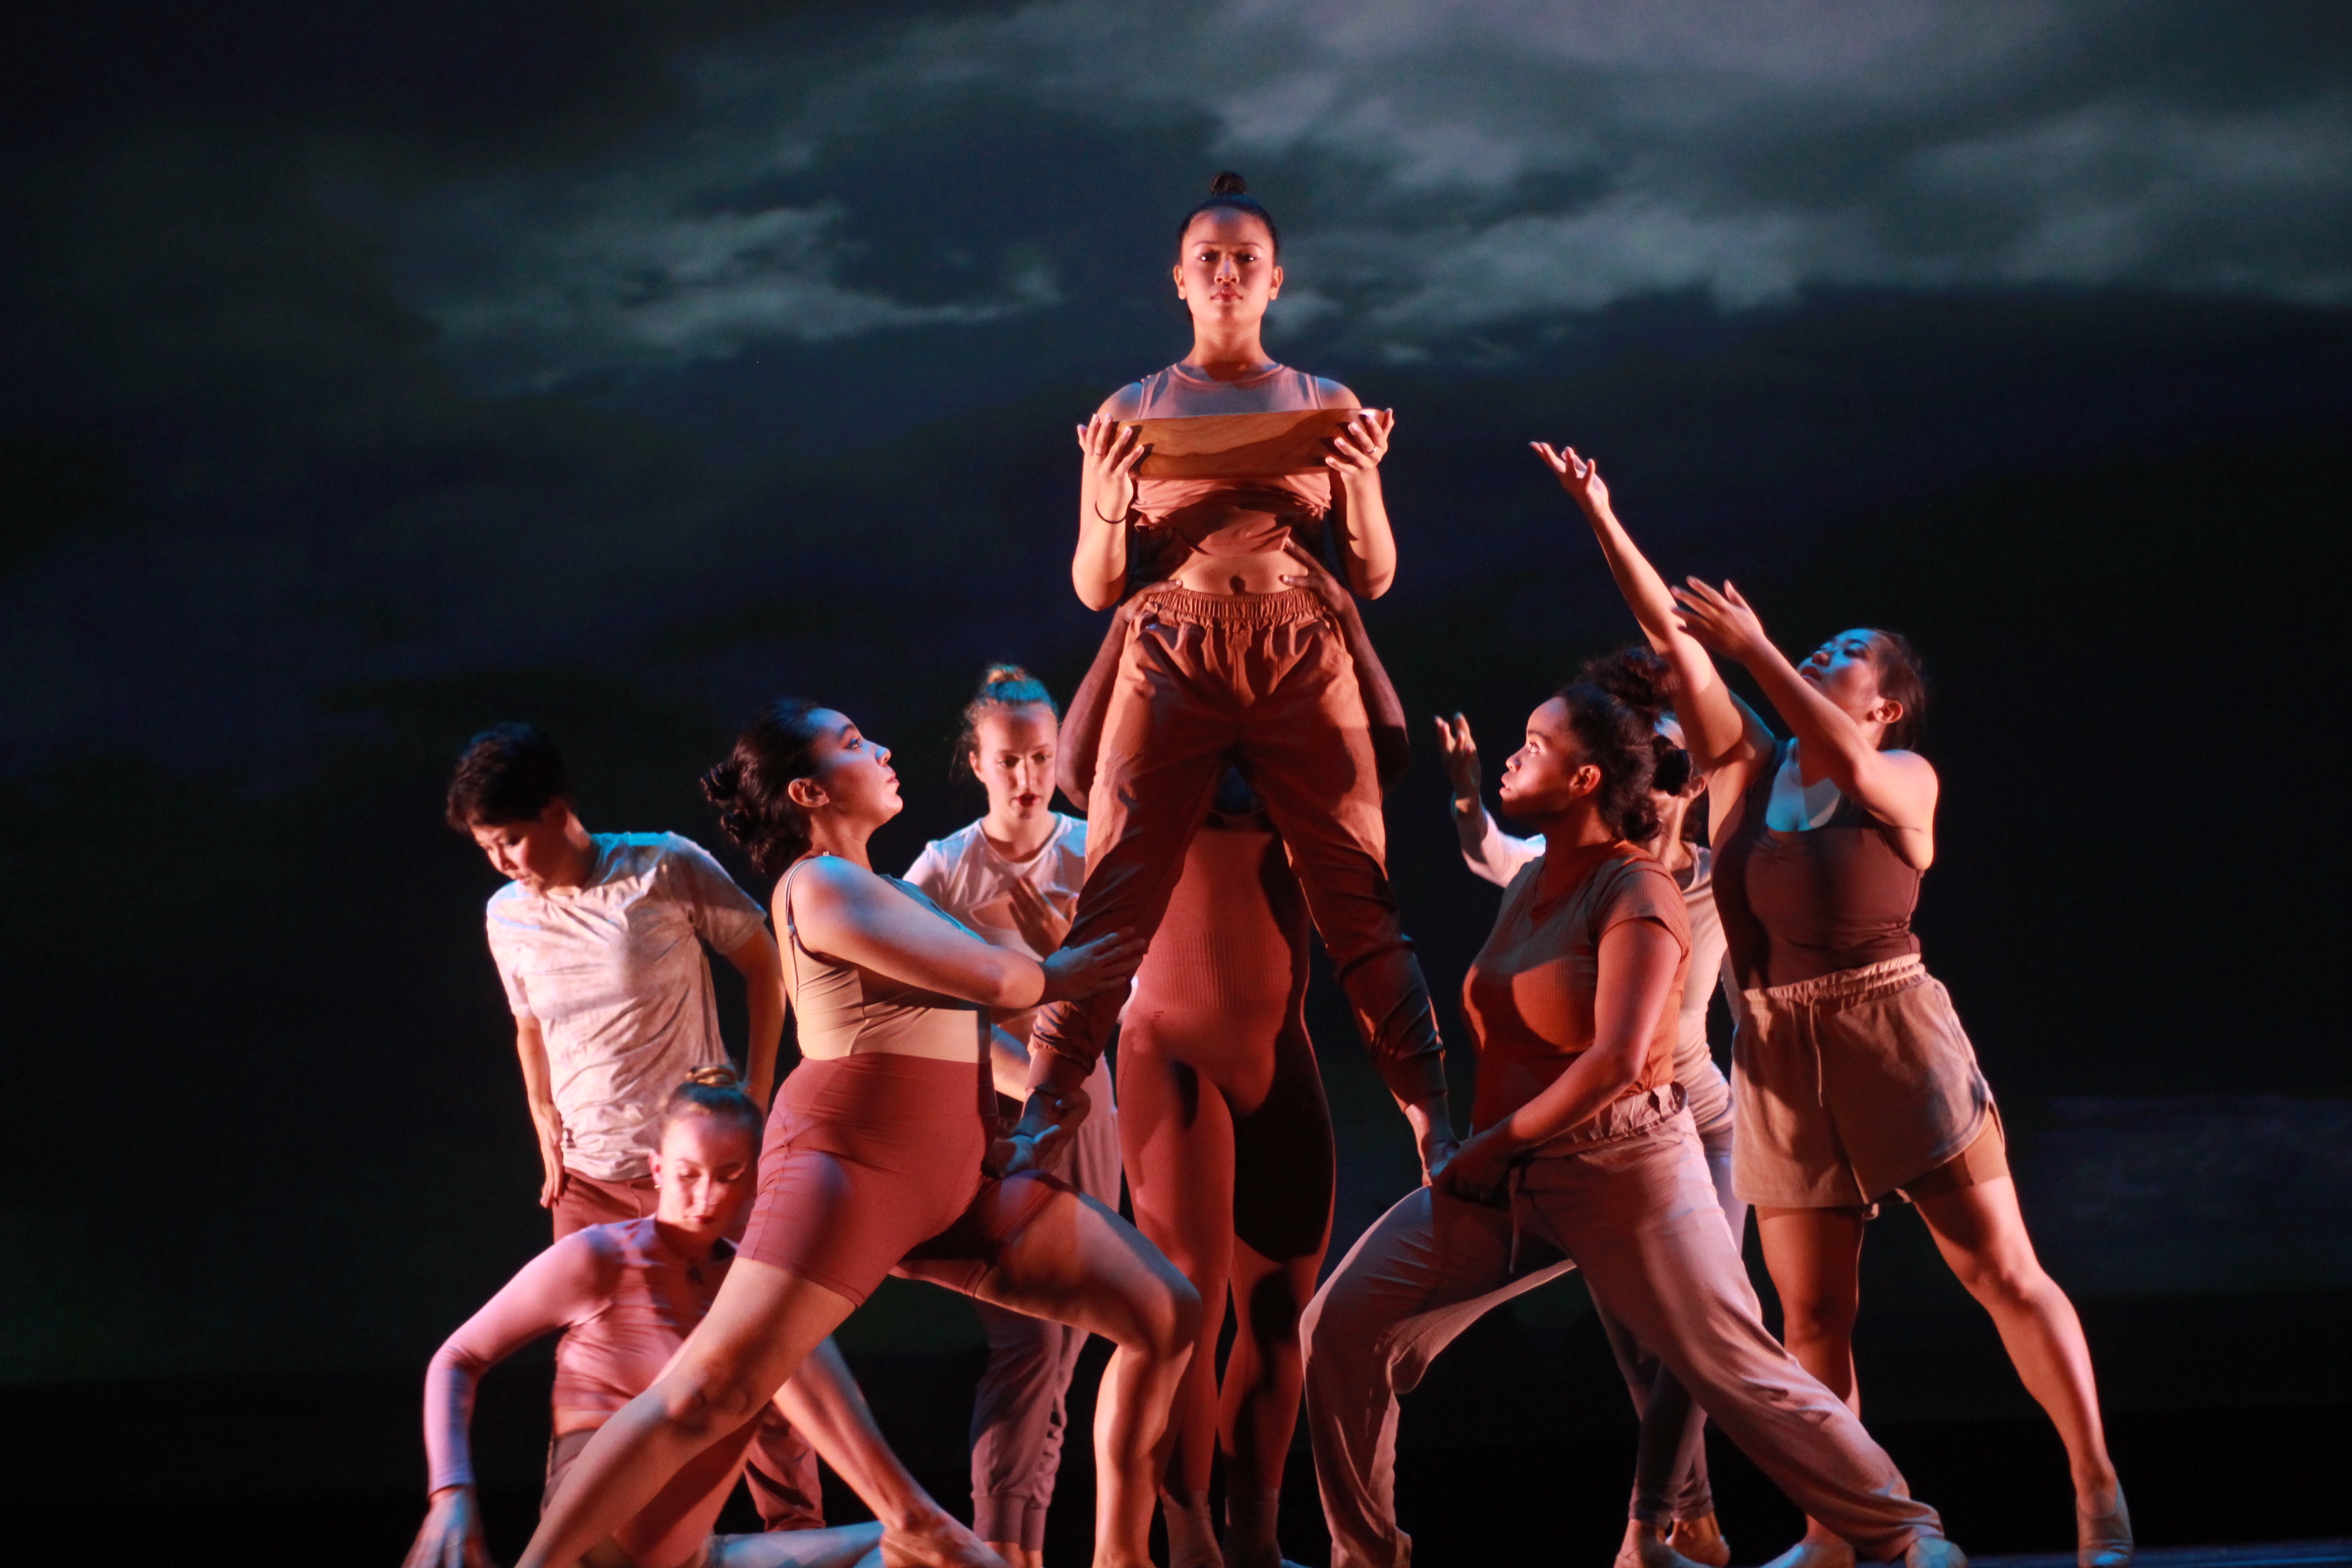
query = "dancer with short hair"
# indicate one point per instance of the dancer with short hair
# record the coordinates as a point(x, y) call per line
point(626, 1295)
point(1013, 877)
point(881, 1157)
point(1233, 657)
point(1855, 1082)
point(1670, 1471)
point(1581, 1156)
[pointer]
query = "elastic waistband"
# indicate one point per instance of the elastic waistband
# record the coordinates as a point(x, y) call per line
point(1880, 979)
point(1621, 1118)
point(1289, 608)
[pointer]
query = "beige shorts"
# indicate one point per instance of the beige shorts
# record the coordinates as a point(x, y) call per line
point(1850, 1087)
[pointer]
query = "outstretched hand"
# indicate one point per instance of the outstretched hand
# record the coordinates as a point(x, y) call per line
point(1720, 622)
point(451, 1535)
point(1037, 1142)
point(1112, 451)
point(1578, 475)
point(1460, 754)
point(1360, 444)
point(1075, 974)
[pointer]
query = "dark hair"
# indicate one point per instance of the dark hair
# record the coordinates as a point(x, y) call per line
point(1670, 772)
point(749, 787)
point(1903, 676)
point(713, 1090)
point(1637, 675)
point(1003, 686)
point(1616, 739)
point(509, 772)
point(1230, 193)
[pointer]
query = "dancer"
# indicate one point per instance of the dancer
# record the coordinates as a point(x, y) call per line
point(1581, 1156)
point(1670, 1476)
point(626, 1295)
point(1230, 657)
point(1226, 1133)
point(1012, 878)
point(1854, 1077)
point(875, 1161)
point(598, 939)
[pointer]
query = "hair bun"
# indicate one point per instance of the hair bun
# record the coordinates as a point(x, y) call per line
point(719, 1075)
point(1672, 774)
point(1228, 183)
point(721, 781)
point(1005, 672)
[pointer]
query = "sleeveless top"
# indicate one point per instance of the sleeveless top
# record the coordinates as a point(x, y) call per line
point(1179, 517)
point(1797, 906)
point(1531, 1024)
point(604, 1361)
point(847, 1011)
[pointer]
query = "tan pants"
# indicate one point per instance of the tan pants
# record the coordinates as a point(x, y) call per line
point(1637, 1211)
point(1850, 1086)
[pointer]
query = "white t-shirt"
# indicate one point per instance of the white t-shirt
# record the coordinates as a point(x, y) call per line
point(616, 975)
point(964, 875)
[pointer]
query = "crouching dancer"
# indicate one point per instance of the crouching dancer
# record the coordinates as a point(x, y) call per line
point(1582, 1156)
point(626, 1295)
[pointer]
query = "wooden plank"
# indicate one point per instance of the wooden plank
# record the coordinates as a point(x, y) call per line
point(1240, 446)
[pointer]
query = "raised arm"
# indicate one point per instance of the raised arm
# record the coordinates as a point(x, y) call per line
point(849, 914)
point(561, 1286)
point(1722, 734)
point(1492, 855)
point(1898, 787)
point(1106, 498)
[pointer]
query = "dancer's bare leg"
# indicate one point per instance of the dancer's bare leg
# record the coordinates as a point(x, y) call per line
point(1077, 1262)
point(843, 1546)
point(1178, 1134)
point(1814, 1257)
point(824, 1403)
point(1266, 1371)
point(1982, 1236)
point(765, 1322)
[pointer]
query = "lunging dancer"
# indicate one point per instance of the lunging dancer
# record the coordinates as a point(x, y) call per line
point(1226, 1133)
point(1670, 1476)
point(876, 1150)
point(1238, 660)
point(1854, 1080)
point(1581, 1156)
point(626, 1295)
point(1013, 877)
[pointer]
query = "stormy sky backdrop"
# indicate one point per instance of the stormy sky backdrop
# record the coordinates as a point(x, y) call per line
point(372, 373)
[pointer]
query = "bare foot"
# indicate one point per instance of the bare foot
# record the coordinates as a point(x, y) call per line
point(1819, 1549)
point(1701, 1540)
point(1645, 1546)
point(936, 1539)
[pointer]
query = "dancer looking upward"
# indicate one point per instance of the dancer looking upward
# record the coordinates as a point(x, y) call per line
point(1232, 657)
point(1012, 878)
point(599, 941)
point(1580, 1157)
point(1670, 1473)
point(625, 1295)
point(1854, 1077)
point(881, 1155)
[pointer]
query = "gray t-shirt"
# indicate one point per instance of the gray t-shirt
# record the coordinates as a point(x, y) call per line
point(616, 975)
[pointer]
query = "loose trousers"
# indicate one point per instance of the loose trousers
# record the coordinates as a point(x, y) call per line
point(1638, 1214)
point(1263, 682)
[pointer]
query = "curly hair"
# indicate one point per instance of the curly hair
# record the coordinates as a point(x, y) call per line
point(1636, 674)
point(750, 785)
point(1003, 686)
point(1616, 739)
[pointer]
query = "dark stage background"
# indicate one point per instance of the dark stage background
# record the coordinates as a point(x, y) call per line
point(375, 372)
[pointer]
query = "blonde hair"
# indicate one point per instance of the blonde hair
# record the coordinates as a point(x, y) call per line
point(1003, 686)
point(713, 1090)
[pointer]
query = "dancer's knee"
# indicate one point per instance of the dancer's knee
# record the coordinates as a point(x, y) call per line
point(707, 1403)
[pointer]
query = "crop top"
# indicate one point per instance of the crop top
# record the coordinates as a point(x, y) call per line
point(1530, 992)
point(845, 1010)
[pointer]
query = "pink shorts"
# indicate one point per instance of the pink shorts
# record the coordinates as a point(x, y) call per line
point(872, 1166)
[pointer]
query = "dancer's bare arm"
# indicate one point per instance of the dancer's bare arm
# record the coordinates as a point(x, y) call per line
point(1106, 498)
point(1726, 740)
point(1898, 787)
point(564, 1284)
point(539, 1090)
point(1360, 512)
point(762, 970)
point(1491, 854)
point(849, 914)
point(1634, 988)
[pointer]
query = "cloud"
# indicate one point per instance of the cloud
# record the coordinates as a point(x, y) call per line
point(1445, 166)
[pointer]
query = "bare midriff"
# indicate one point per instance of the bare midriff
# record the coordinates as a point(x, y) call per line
point(1259, 573)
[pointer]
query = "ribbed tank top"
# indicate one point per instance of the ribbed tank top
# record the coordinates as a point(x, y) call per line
point(607, 1360)
point(1228, 516)
point(1797, 906)
point(846, 1011)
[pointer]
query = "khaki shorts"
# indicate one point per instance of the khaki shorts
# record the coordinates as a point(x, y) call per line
point(1853, 1086)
